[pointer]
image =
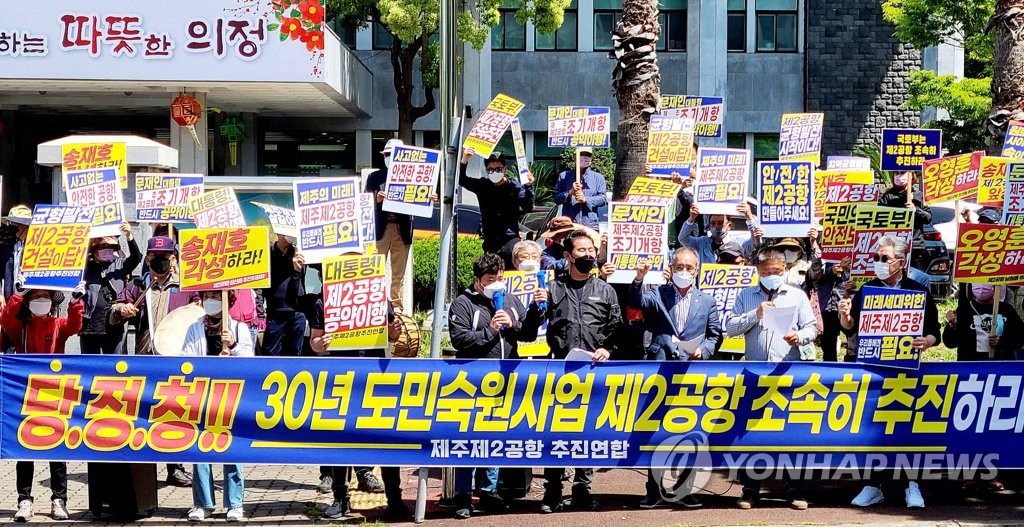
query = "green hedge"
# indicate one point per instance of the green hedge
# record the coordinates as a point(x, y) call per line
point(426, 253)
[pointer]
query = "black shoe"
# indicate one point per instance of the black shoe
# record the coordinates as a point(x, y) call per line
point(548, 508)
point(368, 482)
point(326, 482)
point(463, 506)
point(583, 502)
point(690, 502)
point(747, 499)
point(338, 509)
point(398, 509)
point(651, 501)
point(552, 501)
point(492, 502)
point(446, 503)
point(179, 478)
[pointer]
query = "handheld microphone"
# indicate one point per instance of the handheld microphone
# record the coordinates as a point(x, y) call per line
point(499, 302)
point(542, 283)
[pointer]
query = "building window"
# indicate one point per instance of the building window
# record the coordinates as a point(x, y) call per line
point(737, 26)
point(776, 25)
point(672, 18)
point(346, 34)
point(766, 148)
point(508, 34)
point(736, 140)
point(607, 14)
point(552, 157)
point(564, 38)
point(382, 38)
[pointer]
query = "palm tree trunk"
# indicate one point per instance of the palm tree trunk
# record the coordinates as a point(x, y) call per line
point(1007, 70)
point(637, 85)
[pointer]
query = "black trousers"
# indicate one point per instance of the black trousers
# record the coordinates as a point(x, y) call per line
point(58, 480)
point(830, 332)
point(110, 344)
point(581, 483)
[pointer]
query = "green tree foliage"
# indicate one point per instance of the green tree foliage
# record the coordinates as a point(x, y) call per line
point(425, 256)
point(603, 162)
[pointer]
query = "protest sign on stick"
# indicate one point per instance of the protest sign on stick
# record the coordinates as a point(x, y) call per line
point(890, 320)
point(165, 198)
point(225, 258)
point(56, 246)
point(328, 216)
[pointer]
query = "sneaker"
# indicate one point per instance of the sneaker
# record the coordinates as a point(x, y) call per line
point(235, 514)
point(548, 508)
point(690, 502)
point(870, 496)
point(914, 498)
point(179, 478)
point(651, 501)
point(493, 502)
point(326, 482)
point(797, 504)
point(60, 512)
point(24, 511)
point(747, 499)
point(552, 501)
point(337, 509)
point(368, 482)
point(198, 514)
point(464, 506)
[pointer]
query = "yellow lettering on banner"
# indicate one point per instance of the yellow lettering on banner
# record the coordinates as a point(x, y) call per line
point(772, 396)
point(932, 398)
point(894, 394)
point(620, 406)
point(378, 403)
point(419, 390)
point(565, 417)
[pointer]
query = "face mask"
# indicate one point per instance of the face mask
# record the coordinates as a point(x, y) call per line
point(160, 264)
point(717, 233)
point(491, 289)
point(495, 177)
point(585, 264)
point(212, 307)
point(983, 293)
point(900, 181)
point(682, 279)
point(105, 255)
point(792, 256)
point(529, 266)
point(772, 282)
point(584, 162)
point(40, 307)
point(387, 162)
point(882, 270)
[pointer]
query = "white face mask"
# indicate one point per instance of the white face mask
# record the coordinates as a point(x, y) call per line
point(882, 270)
point(682, 279)
point(212, 307)
point(387, 162)
point(772, 282)
point(493, 288)
point(40, 307)
point(529, 266)
point(494, 177)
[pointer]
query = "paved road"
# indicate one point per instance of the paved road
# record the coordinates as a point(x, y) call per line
point(286, 495)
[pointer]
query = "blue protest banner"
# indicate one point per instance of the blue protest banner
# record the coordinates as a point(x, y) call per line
point(1013, 143)
point(708, 112)
point(890, 319)
point(909, 148)
point(787, 198)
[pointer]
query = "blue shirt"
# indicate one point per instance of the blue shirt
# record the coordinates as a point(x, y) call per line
point(761, 343)
point(704, 245)
point(594, 188)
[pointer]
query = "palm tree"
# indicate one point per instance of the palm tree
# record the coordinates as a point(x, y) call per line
point(1007, 69)
point(637, 85)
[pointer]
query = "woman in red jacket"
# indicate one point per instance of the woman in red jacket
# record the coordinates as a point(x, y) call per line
point(30, 320)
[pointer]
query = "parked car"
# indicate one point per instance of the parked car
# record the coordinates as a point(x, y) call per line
point(929, 254)
point(945, 221)
point(469, 222)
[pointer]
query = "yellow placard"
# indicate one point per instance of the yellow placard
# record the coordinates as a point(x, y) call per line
point(88, 156)
point(492, 123)
point(227, 258)
point(992, 181)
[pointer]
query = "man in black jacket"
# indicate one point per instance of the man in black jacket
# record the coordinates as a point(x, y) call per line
point(583, 313)
point(505, 201)
point(286, 321)
point(481, 331)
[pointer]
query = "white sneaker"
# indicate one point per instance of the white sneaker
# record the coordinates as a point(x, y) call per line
point(235, 515)
point(868, 496)
point(914, 498)
point(24, 511)
point(58, 510)
point(198, 514)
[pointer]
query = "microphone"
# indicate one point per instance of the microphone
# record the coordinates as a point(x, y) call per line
point(499, 302)
point(542, 283)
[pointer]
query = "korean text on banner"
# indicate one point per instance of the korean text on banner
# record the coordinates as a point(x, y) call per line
point(1013, 202)
point(786, 205)
point(951, 178)
point(92, 156)
point(368, 222)
point(98, 190)
point(523, 286)
point(824, 178)
point(873, 223)
point(225, 258)
point(165, 198)
point(412, 179)
point(579, 126)
point(708, 112)
point(652, 191)
point(800, 137)
point(1013, 143)
point(56, 246)
point(282, 219)
point(890, 319)
point(638, 232)
point(839, 222)
point(355, 302)
point(862, 164)
point(670, 145)
point(492, 123)
point(992, 181)
point(722, 175)
point(724, 283)
point(989, 254)
point(520, 146)
point(909, 148)
point(216, 209)
point(328, 215)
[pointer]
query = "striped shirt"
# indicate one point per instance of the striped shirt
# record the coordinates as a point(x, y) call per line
point(761, 343)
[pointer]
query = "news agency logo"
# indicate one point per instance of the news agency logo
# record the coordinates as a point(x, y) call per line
point(680, 464)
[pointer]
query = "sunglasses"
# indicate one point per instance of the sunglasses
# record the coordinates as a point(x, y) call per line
point(495, 170)
point(885, 259)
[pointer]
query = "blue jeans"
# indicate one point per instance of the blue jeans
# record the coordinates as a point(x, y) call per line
point(202, 486)
point(285, 334)
point(464, 480)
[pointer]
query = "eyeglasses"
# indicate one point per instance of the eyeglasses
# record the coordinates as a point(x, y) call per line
point(495, 170)
point(885, 259)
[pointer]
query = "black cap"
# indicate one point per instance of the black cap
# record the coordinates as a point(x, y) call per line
point(497, 157)
point(730, 247)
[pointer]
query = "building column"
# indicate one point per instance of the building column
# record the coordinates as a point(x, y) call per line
point(944, 59)
point(364, 149)
point(192, 159)
point(706, 55)
point(248, 150)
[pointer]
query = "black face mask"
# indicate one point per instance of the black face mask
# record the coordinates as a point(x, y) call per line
point(585, 264)
point(160, 264)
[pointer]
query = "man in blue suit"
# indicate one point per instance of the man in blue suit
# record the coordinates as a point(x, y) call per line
point(684, 325)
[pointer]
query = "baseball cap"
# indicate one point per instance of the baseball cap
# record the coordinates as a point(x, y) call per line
point(988, 216)
point(731, 247)
point(585, 151)
point(20, 214)
point(390, 146)
point(160, 244)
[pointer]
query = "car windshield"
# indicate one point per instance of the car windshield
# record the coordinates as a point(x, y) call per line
point(942, 215)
